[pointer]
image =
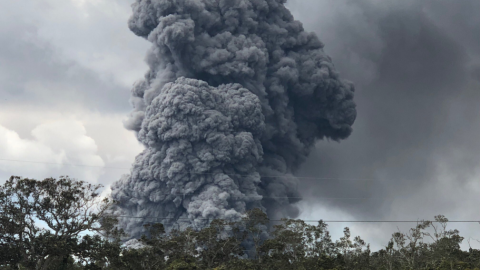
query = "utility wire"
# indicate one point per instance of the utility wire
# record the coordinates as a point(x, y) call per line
point(326, 221)
point(285, 197)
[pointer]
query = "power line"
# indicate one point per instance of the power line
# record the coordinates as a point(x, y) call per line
point(326, 221)
point(274, 197)
point(123, 168)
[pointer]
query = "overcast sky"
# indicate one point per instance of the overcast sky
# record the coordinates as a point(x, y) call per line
point(67, 66)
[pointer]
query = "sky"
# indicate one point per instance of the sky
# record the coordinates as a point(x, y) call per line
point(67, 67)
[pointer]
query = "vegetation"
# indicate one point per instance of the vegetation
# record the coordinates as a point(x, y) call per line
point(62, 224)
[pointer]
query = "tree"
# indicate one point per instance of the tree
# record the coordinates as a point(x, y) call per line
point(297, 245)
point(219, 243)
point(65, 207)
point(352, 253)
point(386, 258)
point(445, 248)
point(410, 246)
point(42, 222)
point(255, 223)
point(208, 248)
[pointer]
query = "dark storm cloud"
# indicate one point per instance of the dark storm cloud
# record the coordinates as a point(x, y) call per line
point(476, 73)
point(414, 65)
point(459, 19)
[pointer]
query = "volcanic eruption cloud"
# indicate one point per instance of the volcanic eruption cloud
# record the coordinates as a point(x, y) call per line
point(235, 98)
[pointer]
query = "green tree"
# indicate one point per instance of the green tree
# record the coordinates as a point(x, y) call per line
point(410, 246)
point(255, 226)
point(353, 254)
point(219, 243)
point(66, 207)
point(297, 245)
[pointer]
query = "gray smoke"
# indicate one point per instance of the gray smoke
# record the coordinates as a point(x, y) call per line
point(415, 148)
point(236, 96)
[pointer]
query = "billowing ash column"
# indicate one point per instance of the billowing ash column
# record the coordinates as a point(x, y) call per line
point(235, 98)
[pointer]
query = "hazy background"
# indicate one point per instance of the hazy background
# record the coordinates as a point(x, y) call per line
point(67, 66)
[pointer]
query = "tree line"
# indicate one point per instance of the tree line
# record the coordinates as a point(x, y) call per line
point(64, 224)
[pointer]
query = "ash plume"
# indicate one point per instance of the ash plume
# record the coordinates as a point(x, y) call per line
point(236, 96)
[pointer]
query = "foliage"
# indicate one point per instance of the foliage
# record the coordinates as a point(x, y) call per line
point(69, 208)
point(41, 223)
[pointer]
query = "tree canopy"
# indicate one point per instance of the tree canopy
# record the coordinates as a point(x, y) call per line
point(63, 224)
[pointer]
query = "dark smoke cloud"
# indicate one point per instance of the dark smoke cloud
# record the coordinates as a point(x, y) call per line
point(236, 96)
point(415, 64)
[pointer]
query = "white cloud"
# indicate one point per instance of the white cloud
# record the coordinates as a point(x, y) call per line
point(69, 137)
point(60, 142)
point(81, 138)
point(15, 148)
